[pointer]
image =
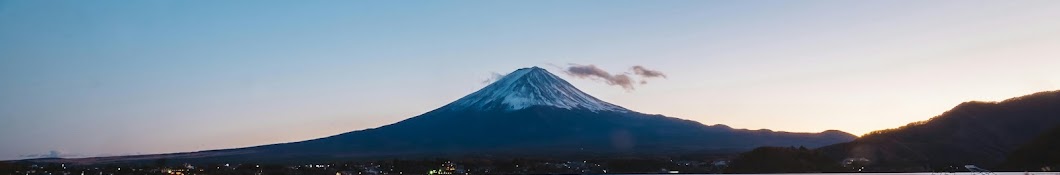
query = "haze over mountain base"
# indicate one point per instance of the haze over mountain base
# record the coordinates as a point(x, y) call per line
point(529, 112)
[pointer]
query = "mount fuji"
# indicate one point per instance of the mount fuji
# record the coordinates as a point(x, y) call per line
point(529, 87)
point(529, 112)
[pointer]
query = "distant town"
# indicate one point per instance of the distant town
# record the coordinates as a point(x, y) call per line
point(437, 166)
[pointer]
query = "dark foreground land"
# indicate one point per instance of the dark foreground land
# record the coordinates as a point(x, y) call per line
point(715, 164)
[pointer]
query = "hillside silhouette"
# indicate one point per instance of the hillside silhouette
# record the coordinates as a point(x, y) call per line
point(980, 133)
point(1043, 151)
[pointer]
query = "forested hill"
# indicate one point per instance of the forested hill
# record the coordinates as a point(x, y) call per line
point(1043, 151)
point(980, 133)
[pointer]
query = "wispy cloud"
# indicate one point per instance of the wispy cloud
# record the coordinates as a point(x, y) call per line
point(646, 73)
point(494, 76)
point(593, 72)
point(623, 79)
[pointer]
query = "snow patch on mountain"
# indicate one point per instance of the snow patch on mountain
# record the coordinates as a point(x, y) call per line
point(528, 87)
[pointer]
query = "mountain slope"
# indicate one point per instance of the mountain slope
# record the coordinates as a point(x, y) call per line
point(1043, 151)
point(980, 133)
point(529, 112)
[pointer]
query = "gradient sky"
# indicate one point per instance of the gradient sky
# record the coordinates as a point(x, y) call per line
point(94, 78)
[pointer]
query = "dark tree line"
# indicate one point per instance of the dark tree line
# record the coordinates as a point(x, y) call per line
point(784, 160)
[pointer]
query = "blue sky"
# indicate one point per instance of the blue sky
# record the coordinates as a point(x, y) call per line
point(80, 78)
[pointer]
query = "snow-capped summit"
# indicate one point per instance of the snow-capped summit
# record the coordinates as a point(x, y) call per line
point(528, 87)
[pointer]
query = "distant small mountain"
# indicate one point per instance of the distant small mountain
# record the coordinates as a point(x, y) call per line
point(980, 133)
point(1040, 154)
point(528, 113)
